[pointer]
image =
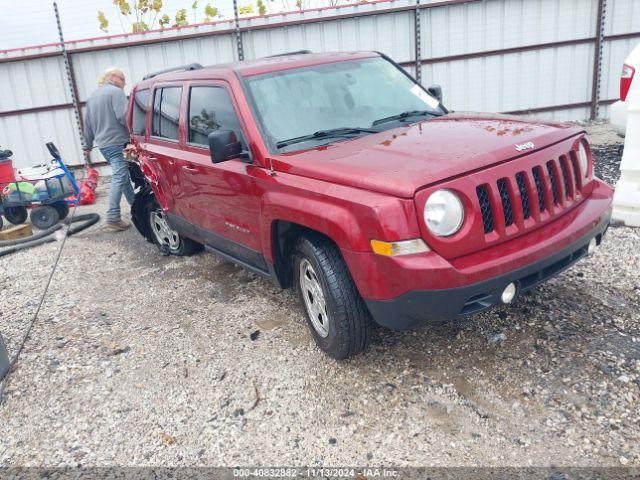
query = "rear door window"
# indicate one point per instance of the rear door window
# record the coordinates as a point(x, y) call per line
point(140, 106)
point(210, 109)
point(166, 112)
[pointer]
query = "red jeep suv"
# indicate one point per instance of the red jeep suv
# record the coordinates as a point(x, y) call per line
point(341, 176)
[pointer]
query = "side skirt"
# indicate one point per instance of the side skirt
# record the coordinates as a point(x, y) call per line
point(225, 248)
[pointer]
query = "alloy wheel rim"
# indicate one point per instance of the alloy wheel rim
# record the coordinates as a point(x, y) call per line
point(162, 231)
point(314, 299)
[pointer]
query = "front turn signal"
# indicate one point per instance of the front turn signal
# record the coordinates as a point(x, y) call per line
point(394, 249)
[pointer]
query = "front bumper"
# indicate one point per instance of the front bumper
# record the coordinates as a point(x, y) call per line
point(419, 307)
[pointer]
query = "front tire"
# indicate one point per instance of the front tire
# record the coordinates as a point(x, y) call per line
point(338, 318)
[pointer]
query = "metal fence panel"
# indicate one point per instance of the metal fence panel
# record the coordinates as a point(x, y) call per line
point(500, 24)
point(516, 81)
point(614, 54)
point(27, 134)
point(385, 33)
point(137, 61)
point(623, 16)
point(33, 83)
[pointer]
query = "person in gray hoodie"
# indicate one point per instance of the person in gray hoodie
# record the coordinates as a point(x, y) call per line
point(105, 126)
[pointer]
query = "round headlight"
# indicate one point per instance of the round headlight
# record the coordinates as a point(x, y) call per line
point(443, 213)
point(583, 160)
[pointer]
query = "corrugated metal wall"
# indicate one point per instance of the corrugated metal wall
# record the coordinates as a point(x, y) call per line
point(30, 84)
point(519, 80)
point(623, 16)
point(489, 55)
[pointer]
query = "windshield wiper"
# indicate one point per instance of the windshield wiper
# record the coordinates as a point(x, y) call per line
point(334, 132)
point(403, 115)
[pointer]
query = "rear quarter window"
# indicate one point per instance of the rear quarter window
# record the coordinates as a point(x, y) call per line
point(166, 112)
point(140, 108)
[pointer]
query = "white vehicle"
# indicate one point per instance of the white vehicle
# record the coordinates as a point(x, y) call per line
point(618, 111)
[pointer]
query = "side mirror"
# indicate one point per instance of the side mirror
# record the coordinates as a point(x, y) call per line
point(435, 91)
point(224, 145)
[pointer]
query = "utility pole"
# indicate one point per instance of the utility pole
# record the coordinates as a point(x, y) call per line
point(597, 59)
point(71, 80)
point(417, 41)
point(238, 33)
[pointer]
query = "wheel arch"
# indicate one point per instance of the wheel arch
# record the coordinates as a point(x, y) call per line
point(284, 236)
point(145, 176)
point(285, 217)
point(139, 211)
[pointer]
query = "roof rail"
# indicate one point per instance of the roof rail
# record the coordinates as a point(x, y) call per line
point(182, 68)
point(297, 52)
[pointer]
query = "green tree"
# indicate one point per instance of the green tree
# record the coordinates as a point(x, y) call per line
point(144, 15)
point(181, 18)
point(265, 6)
point(210, 13)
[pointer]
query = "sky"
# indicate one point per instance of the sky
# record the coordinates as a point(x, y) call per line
point(32, 22)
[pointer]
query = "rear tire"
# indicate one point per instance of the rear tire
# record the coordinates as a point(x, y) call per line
point(16, 215)
point(166, 239)
point(338, 318)
point(44, 216)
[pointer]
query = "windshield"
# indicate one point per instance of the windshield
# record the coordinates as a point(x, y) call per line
point(343, 95)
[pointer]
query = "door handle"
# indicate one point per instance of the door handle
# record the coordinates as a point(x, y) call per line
point(190, 169)
point(152, 158)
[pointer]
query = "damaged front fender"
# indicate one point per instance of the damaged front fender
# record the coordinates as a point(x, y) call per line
point(148, 174)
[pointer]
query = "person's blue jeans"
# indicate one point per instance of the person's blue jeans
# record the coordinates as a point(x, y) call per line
point(120, 181)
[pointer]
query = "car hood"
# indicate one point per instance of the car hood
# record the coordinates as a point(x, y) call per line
point(402, 160)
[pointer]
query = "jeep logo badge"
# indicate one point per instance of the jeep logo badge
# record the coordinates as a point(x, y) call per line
point(525, 146)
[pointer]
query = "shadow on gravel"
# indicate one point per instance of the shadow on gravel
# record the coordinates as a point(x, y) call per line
point(607, 161)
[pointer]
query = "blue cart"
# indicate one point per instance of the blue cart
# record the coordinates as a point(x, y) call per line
point(44, 189)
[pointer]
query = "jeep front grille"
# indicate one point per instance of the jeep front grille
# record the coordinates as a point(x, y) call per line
point(551, 170)
point(485, 208)
point(505, 199)
point(524, 195)
point(537, 176)
point(530, 194)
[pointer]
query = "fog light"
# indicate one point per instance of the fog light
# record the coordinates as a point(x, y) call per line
point(592, 246)
point(509, 293)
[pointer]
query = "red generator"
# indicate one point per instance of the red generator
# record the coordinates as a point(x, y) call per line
point(6, 172)
point(7, 176)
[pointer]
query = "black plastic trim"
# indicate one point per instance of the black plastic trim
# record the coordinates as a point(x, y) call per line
point(181, 68)
point(420, 307)
point(226, 248)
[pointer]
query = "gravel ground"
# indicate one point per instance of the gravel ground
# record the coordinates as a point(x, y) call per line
point(142, 359)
